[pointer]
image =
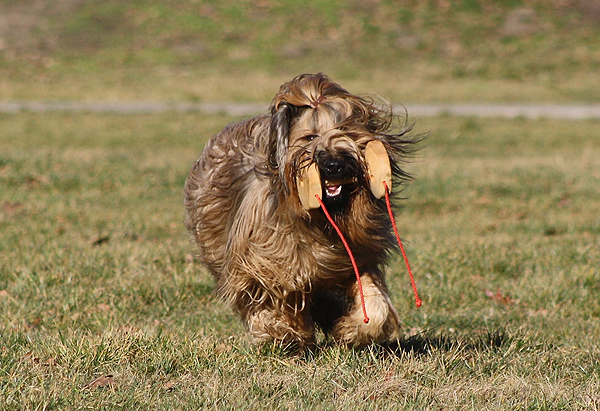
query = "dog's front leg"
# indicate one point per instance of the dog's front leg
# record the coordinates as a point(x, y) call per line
point(287, 324)
point(383, 322)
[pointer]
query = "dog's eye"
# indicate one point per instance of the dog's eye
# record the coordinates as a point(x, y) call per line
point(309, 137)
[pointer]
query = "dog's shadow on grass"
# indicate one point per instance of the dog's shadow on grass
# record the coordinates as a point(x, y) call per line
point(427, 342)
point(422, 344)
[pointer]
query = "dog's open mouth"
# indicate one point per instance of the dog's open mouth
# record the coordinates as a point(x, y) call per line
point(333, 188)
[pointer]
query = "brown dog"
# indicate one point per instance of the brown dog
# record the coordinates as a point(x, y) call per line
point(251, 206)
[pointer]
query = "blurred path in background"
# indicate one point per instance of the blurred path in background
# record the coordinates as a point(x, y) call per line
point(559, 111)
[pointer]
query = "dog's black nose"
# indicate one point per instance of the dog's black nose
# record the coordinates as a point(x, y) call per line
point(334, 166)
point(337, 167)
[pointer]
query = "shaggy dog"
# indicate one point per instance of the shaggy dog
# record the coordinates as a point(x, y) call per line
point(251, 205)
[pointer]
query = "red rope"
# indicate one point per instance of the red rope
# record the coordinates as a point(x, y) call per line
point(418, 301)
point(339, 232)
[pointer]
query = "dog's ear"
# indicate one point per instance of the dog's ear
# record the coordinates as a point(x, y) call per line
point(380, 170)
point(279, 134)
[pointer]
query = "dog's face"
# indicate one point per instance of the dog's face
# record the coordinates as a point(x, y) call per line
point(329, 145)
point(333, 158)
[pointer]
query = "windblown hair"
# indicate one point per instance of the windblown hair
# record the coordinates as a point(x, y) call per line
point(279, 263)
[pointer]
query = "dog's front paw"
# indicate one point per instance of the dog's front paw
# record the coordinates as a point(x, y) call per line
point(383, 324)
point(268, 325)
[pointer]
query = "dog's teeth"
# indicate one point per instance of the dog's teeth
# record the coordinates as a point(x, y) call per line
point(334, 191)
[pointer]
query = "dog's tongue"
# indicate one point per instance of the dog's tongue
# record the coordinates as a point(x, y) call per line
point(333, 191)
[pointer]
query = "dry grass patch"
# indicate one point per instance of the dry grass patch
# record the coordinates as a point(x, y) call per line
point(102, 306)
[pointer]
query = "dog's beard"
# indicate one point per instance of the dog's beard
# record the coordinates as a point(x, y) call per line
point(341, 177)
point(338, 197)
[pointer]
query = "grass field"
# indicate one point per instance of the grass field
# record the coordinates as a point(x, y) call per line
point(102, 306)
point(205, 50)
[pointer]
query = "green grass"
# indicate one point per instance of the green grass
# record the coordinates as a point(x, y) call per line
point(217, 51)
point(101, 303)
point(96, 276)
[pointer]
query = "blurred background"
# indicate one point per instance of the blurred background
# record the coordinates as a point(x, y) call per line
point(215, 51)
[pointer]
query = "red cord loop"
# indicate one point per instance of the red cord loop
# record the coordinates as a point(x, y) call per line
point(418, 301)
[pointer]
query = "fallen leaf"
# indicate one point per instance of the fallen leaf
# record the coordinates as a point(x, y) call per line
point(11, 208)
point(4, 294)
point(101, 382)
point(103, 307)
point(565, 201)
point(35, 323)
point(29, 356)
point(483, 200)
point(499, 297)
point(35, 181)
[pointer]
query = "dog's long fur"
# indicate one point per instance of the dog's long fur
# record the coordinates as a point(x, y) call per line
point(283, 268)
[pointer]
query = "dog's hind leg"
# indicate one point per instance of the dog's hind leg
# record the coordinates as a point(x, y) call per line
point(383, 322)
